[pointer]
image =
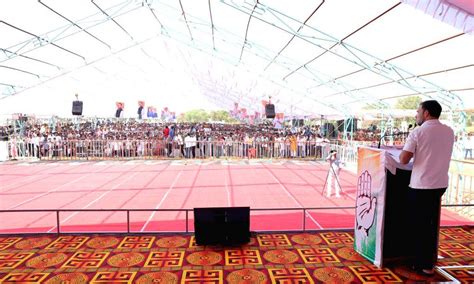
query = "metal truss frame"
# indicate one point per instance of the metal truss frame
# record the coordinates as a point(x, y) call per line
point(49, 38)
point(364, 60)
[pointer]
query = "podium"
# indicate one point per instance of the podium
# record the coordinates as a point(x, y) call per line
point(381, 232)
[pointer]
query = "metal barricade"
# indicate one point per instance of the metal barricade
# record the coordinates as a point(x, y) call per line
point(58, 149)
point(460, 189)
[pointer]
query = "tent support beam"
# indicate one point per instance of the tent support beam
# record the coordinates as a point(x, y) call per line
point(112, 19)
point(28, 57)
point(42, 40)
point(75, 24)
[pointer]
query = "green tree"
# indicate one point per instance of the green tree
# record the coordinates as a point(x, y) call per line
point(470, 118)
point(195, 115)
point(221, 115)
point(408, 103)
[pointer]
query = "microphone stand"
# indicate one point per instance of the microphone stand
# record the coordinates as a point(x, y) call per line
point(395, 134)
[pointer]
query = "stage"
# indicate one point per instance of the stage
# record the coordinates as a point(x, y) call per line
point(173, 184)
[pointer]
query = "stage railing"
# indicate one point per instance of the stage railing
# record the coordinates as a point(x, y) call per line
point(57, 226)
point(461, 187)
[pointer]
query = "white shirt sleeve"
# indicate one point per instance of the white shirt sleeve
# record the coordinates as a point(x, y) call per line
point(410, 143)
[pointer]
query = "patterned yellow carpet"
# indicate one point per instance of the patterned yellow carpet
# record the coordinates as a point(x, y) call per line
point(269, 258)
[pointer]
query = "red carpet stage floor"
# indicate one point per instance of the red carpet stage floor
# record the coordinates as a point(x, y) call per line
point(314, 257)
point(172, 184)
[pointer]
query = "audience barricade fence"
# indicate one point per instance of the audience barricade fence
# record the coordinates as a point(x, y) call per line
point(19, 149)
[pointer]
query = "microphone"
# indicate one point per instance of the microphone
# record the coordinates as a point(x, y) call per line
point(395, 134)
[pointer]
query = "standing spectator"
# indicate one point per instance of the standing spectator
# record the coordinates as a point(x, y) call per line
point(469, 144)
point(166, 134)
point(229, 146)
point(141, 148)
point(281, 146)
point(172, 132)
point(169, 140)
point(293, 145)
point(36, 143)
point(45, 147)
point(198, 144)
point(178, 139)
point(302, 146)
point(13, 147)
point(190, 142)
point(333, 174)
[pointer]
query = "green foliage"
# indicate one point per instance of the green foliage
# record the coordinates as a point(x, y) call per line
point(470, 118)
point(408, 103)
point(200, 115)
point(195, 115)
point(221, 116)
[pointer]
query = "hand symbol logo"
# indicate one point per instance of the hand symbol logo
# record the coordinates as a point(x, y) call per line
point(365, 203)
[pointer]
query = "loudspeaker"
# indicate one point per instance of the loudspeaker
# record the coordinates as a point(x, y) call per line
point(270, 111)
point(118, 112)
point(77, 108)
point(222, 225)
point(139, 112)
point(351, 125)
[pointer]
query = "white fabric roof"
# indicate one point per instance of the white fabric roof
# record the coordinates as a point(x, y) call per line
point(312, 57)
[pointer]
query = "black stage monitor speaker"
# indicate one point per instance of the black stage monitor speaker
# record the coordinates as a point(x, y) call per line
point(77, 108)
point(270, 111)
point(222, 225)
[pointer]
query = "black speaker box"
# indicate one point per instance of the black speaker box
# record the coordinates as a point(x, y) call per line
point(222, 225)
point(77, 108)
point(270, 111)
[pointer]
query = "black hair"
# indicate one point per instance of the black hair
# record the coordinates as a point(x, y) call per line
point(433, 108)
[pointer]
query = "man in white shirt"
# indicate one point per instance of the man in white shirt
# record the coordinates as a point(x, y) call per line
point(190, 142)
point(431, 147)
point(178, 139)
point(469, 145)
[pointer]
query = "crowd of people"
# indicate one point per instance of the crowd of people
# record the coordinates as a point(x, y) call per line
point(119, 138)
point(101, 129)
point(136, 138)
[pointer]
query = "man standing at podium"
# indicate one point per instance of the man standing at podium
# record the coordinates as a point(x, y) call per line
point(431, 146)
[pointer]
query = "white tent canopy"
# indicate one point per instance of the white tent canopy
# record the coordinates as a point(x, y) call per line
point(311, 57)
